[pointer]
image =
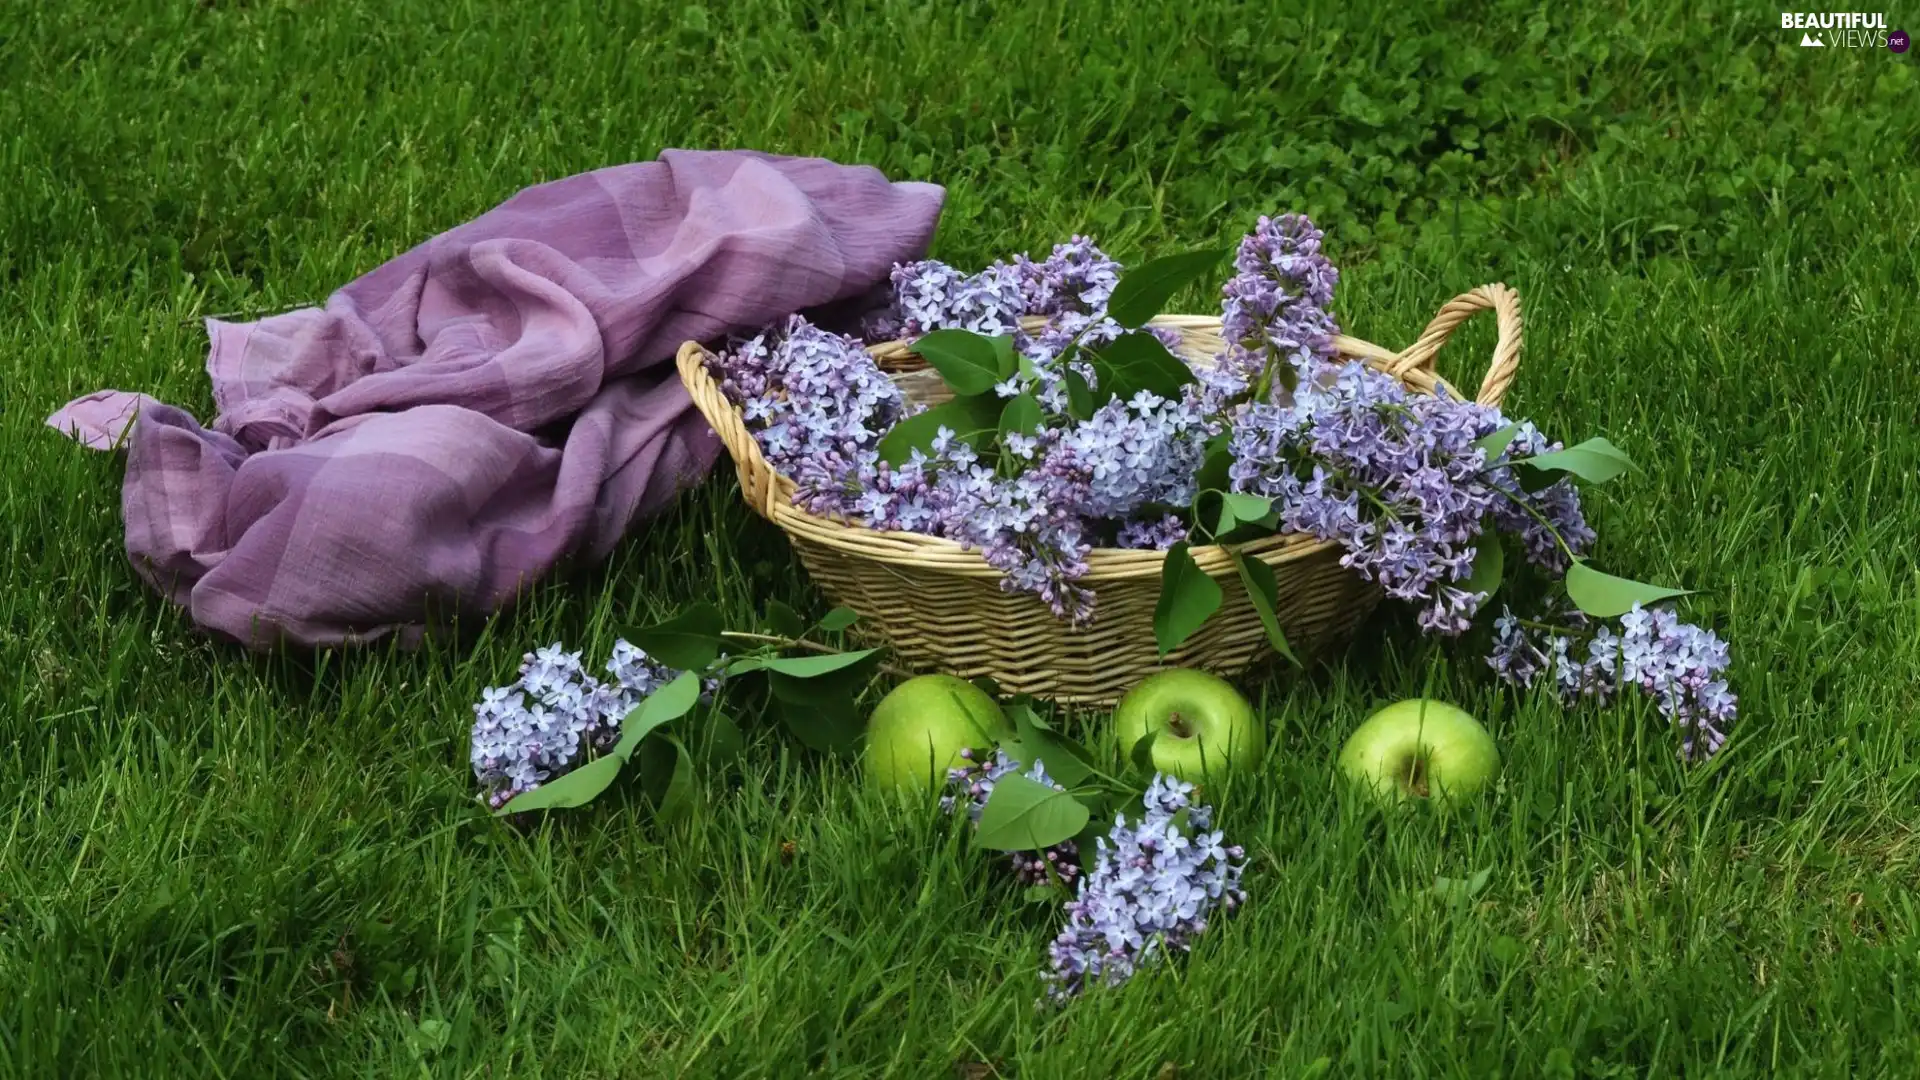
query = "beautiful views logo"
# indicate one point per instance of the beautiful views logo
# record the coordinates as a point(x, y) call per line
point(1843, 29)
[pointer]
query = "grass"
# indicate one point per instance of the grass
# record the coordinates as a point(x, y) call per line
point(226, 865)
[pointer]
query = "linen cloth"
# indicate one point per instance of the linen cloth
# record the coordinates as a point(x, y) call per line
point(453, 424)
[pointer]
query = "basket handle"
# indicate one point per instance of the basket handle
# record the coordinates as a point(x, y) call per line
point(1505, 305)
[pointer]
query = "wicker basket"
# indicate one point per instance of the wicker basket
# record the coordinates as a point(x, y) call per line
point(939, 606)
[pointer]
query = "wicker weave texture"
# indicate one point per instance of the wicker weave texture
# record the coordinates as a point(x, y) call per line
point(939, 606)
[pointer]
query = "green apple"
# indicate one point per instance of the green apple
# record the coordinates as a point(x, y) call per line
point(1200, 724)
point(1421, 749)
point(917, 731)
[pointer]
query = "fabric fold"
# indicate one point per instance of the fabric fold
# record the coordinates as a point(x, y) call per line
point(451, 425)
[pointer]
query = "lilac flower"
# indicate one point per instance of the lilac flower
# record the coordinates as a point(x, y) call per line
point(818, 404)
point(930, 295)
point(816, 401)
point(1153, 534)
point(975, 781)
point(1392, 476)
point(1152, 891)
point(1346, 453)
point(1129, 455)
point(553, 716)
point(1529, 515)
point(1680, 666)
point(1277, 308)
point(1078, 277)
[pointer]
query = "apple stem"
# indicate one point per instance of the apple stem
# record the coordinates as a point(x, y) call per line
point(1416, 779)
point(1178, 725)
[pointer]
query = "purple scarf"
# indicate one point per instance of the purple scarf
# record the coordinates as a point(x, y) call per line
point(454, 423)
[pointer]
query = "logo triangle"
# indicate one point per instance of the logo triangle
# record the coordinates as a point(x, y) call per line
point(1808, 40)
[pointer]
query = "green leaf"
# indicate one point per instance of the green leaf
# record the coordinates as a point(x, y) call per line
point(1460, 889)
point(747, 665)
point(667, 704)
point(1489, 564)
point(1263, 592)
point(842, 684)
point(1213, 467)
point(838, 619)
point(1209, 515)
point(1065, 767)
point(1495, 443)
point(720, 741)
point(783, 620)
point(987, 685)
point(1243, 510)
point(1248, 507)
point(1140, 754)
point(1532, 480)
point(1025, 815)
point(1022, 416)
point(1080, 403)
point(1604, 596)
point(1187, 599)
point(808, 667)
point(1021, 711)
point(1182, 821)
point(577, 788)
point(829, 724)
point(969, 362)
point(1596, 461)
point(1136, 362)
point(971, 419)
point(1088, 841)
point(1006, 359)
point(1145, 289)
point(688, 641)
point(677, 799)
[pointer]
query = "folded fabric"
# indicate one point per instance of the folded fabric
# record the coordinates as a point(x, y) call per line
point(454, 423)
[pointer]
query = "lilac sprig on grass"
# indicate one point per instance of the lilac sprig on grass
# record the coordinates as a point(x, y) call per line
point(1153, 889)
point(1681, 667)
point(973, 783)
point(555, 716)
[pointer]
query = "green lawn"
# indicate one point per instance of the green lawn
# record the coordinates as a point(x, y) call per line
point(225, 865)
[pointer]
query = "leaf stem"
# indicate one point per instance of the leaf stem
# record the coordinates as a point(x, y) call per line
point(1541, 518)
point(802, 643)
point(1551, 628)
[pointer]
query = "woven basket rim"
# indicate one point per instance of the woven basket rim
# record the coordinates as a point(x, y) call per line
point(771, 494)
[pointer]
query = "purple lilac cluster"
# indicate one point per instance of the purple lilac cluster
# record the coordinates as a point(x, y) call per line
point(1536, 517)
point(1153, 888)
point(818, 405)
point(973, 782)
point(1346, 452)
point(1069, 289)
point(1277, 308)
point(815, 401)
point(1398, 480)
point(1071, 286)
point(1680, 666)
point(554, 715)
point(930, 295)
